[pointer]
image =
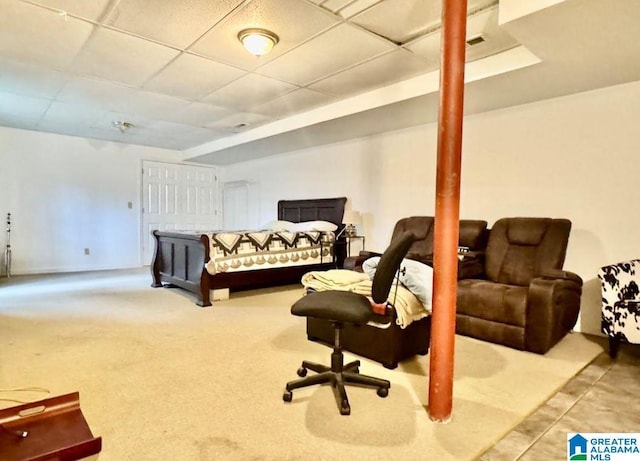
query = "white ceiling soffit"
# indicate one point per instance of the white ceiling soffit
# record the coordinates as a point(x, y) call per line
point(176, 71)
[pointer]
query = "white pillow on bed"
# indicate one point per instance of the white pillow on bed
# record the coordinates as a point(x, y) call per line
point(307, 226)
point(279, 225)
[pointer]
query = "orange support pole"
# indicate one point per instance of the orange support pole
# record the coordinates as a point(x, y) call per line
point(447, 222)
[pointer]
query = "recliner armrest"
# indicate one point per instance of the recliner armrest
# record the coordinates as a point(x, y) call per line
point(553, 304)
point(426, 259)
point(354, 263)
point(560, 274)
point(471, 266)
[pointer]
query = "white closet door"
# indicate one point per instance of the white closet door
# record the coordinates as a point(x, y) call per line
point(177, 197)
point(235, 206)
point(199, 187)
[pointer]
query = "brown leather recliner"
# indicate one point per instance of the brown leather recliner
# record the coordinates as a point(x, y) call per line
point(524, 299)
point(472, 236)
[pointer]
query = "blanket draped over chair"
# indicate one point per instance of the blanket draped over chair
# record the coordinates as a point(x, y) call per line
point(406, 305)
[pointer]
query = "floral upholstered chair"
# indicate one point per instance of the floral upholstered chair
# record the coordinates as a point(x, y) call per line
point(620, 303)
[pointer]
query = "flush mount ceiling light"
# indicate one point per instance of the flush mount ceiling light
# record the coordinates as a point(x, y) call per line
point(258, 41)
point(122, 126)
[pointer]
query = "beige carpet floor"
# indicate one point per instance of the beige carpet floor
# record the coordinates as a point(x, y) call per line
point(162, 379)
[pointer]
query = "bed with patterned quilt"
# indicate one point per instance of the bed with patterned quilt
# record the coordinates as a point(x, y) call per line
point(306, 237)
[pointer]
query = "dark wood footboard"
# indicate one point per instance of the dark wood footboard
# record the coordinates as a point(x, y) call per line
point(179, 260)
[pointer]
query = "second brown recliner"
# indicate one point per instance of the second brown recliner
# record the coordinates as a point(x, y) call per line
point(524, 299)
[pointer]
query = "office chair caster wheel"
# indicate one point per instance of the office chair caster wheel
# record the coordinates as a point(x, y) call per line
point(345, 409)
point(287, 396)
point(383, 391)
point(302, 372)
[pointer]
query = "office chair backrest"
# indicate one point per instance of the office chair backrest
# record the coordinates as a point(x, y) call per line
point(389, 265)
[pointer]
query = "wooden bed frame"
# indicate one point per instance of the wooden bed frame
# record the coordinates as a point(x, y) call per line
point(179, 259)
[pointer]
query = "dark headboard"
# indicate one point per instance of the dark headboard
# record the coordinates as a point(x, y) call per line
point(321, 209)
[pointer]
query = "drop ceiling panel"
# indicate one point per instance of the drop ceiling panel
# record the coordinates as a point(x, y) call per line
point(292, 20)
point(92, 10)
point(356, 7)
point(29, 79)
point(76, 129)
point(400, 20)
point(116, 56)
point(335, 5)
point(325, 55)
point(428, 47)
point(198, 114)
point(106, 95)
point(61, 114)
point(252, 89)
point(155, 105)
point(246, 119)
point(18, 121)
point(291, 103)
point(27, 33)
point(389, 68)
point(176, 22)
point(194, 138)
point(23, 106)
point(173, 129)
point(193, 77)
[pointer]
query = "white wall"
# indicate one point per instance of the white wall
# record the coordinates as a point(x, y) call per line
point(66, 194)
point(574, 157)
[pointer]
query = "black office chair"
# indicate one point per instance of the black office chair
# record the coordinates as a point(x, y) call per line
point(340, 307)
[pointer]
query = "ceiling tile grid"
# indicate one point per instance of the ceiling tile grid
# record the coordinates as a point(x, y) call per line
point(112, 55)
point(192, 77)
point(175, 22)
point(381, 71)
point(310, 61)
point(92, 10)
point(177, 70)
point(249, 90)
point(291, 103)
